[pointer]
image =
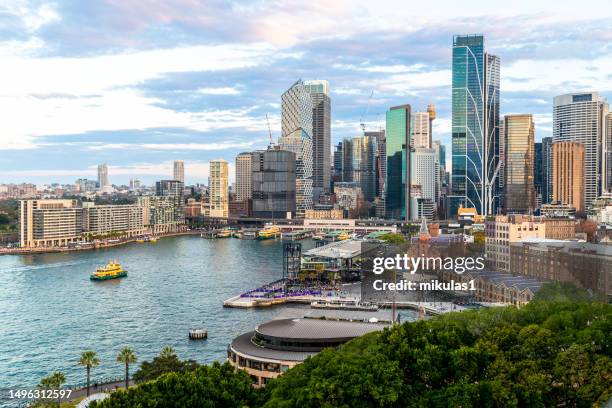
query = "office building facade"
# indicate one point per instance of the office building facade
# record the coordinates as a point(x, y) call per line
point(359, 164)
point(422, 172)
point(102, 175)
point(321, 135)
point(538, 173)
point(244, 185)
point(179, 171)
point(218, 193)
point(296, 137)
point(421, 130)
point(580, 117)
point(397, 144)
point(519, 190)
point(274, 183)
point(546, 170)
point(568, 168)
point(475, 126)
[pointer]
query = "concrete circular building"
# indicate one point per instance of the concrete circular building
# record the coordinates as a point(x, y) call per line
point(276, 346)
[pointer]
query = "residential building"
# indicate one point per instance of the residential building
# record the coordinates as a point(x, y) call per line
point(321, 135)
point(475, 126)
point(274, 183)
point(296, 137)
point(244, 177)
point(559, 227)
point(397, 143)
point(49, 223)
point(174, 190)
point(179, 171)
point(103, 175)
point(568, 181)
point(99, 220)
point(218, 193)
point(519, 191)
point(502, 230)
point(160, 213)
point(580, 117)
point(85, 186)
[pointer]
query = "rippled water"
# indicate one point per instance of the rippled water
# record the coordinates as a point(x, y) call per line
point(50, 311)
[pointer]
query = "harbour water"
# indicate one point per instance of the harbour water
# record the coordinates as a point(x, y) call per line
point(50, 311)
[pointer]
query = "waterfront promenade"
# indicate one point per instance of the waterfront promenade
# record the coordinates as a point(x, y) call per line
point(100, 245)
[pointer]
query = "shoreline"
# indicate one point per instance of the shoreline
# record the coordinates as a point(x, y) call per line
point(32, 251)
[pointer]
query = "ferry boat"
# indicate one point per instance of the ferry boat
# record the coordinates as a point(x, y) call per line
point(112, 270)
point(269, 232)
point(224, 233)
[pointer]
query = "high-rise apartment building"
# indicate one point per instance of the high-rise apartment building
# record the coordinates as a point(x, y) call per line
point(475, 126)
point(580, 117)
point(104, 219)
point(174, 190)
point(179, 171)
point(296, 137)
point(397, 186)
point(274, 186)
point(49, 223)
point(546, 170)
point(321, 135)
point(102, 175)
point(568, 169)
point(519, 190)
point(244, 185)
point(218, 199)
point(421, 130)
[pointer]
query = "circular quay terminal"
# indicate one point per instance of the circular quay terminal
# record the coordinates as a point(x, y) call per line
point(266, 204)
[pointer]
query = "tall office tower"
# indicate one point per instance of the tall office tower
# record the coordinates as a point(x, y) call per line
point(569, 175)
point(519, 194)
point(580, 117)
point(321, 135)
point(296, 137)
point(244, 186)
point(360, 164)
point(397, 186)
point(438, 175)
point(422, 172)
point(538, 173)
point(273, 183)
point(102, 175)
point(475, 126)
point(431, 110)
point(179, 171)
point(338, 160)
point(381, 169)
point(217, 189)
point(421, 131)
point(546, 170)
point(608, 150)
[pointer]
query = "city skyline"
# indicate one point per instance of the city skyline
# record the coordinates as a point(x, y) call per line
point(198, 91)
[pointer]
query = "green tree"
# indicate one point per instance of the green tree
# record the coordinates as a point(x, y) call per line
point(53, 381)
point(166, 362)
point(127, 356)
point(88, 360)
point(393, 238)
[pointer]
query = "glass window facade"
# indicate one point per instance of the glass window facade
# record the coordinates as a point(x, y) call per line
point(397, 141)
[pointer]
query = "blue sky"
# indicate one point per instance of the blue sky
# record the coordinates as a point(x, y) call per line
point(139, 83)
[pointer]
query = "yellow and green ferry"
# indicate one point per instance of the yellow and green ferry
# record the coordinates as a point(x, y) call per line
point(270, 232)
point(113, 270)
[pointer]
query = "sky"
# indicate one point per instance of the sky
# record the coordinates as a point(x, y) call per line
point(137, 84)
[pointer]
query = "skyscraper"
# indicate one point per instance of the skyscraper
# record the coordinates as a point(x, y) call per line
point(360, 164)
point(338, 160)
point(475, 126)
point(179, 170)
point(568, 179)
point(102, 175)
point(217, 189)
point(173, 189)
point(381, 169)
point(538, 173)
point(422, 173)
point(321, 135)
point(421, 130)
point(397, 186)
point(296, 136)
point(546, 170)
point(244, 185)
point(580, 117)
point(519, 194)
point(608, 150)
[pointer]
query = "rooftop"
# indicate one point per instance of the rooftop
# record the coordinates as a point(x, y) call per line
point(507, 279)
point(316, 329)
point(341, 249)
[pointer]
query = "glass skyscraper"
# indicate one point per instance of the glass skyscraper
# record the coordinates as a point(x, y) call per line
point(519, 195)
point(360, 164)
point(321, 134)
point(475, 126)
point(296, 137)
point(397, 201)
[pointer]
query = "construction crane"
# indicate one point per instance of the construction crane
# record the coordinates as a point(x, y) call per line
point(269, 130)
point(365, 114)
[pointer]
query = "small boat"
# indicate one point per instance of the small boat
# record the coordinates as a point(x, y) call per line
point(113, 270)
point(198, 334)
point(140, 241)
point(153, 240)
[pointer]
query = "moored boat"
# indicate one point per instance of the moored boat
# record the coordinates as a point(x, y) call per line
point(269, 232)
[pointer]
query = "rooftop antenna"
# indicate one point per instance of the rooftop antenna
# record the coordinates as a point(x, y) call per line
point(269, 130)
point(365, 114)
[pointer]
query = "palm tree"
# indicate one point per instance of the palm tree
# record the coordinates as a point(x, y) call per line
point(89, 359)
point(127, 356)
point(54, 382)
point(167, 352)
